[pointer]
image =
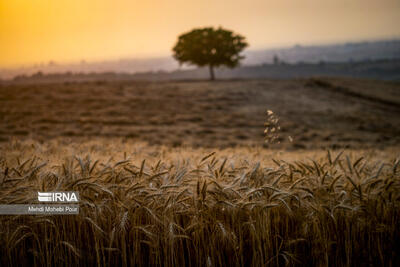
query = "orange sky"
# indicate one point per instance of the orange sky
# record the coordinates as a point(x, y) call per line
point(35, 31)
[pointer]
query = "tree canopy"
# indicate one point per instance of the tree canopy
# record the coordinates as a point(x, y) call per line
point(210, 47)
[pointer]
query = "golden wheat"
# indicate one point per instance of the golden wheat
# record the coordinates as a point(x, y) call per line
point(156, 207)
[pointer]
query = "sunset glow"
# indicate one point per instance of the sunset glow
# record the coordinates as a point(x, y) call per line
point(35, 31)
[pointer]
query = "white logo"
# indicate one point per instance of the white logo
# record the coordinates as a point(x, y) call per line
point(58, 196)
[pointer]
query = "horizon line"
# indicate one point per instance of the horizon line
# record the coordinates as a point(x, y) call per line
point(154, 57)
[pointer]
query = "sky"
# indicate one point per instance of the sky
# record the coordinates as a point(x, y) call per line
point(39, 31)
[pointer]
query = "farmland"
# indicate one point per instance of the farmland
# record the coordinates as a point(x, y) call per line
point(178, 173)
point(316, 113)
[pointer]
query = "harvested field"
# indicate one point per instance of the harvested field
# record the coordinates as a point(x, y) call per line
point(316, 113)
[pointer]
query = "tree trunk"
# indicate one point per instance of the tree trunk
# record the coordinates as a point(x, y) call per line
point(212, 75)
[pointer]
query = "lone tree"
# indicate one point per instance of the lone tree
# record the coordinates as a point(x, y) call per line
point(210, 47)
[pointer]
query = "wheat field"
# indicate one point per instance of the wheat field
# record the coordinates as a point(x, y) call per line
point(159, 206)
point(179, 174)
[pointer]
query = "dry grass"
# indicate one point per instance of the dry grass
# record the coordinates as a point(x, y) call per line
point(183, 207)
point(315, 113)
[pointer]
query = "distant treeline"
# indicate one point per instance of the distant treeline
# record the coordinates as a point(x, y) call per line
point(383, 69)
